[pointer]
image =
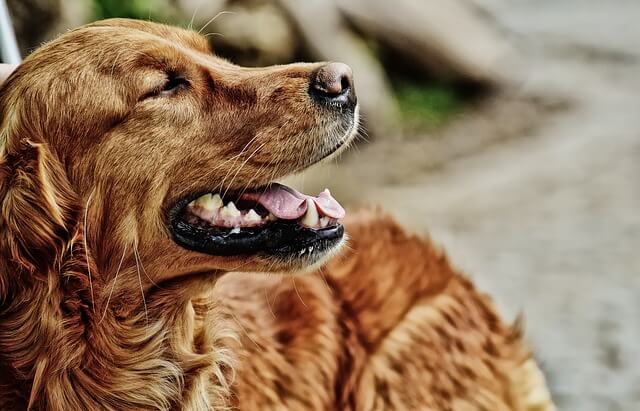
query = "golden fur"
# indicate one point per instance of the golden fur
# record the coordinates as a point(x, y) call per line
point(101, 310)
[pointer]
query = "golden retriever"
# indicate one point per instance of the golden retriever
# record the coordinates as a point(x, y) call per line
point(136, 173)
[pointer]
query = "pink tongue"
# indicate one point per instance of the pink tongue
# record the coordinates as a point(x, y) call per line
point(288, 204)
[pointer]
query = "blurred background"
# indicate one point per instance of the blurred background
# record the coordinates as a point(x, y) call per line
point(508, 131)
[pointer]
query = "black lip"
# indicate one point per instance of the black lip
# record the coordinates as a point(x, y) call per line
point(279, 238)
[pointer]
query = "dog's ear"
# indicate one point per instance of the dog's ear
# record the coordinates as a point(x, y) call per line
point(39, 211)
point(40, 231)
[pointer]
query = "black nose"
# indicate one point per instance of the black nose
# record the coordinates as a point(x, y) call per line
point(333, 83)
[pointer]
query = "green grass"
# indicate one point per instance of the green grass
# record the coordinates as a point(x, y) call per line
point(427, 105)
point(155, 10)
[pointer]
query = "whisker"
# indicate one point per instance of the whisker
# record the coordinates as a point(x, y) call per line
point(213, 18)
point(243, 164)
point(246, 186)
point(115, 279)
point(221, 165)
point(244, 330)
point(322, 274)
point(273, 172)
point(266, 297)
point(143, 269)
point(236, 268)
point(363, 134)
point(234, 158)
point(213, 34)
point(86, 248)
point(293, 278)
point(144, 301)
point(193, 17)
point(222, 183)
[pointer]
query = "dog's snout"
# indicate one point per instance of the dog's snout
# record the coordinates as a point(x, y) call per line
point(333, 82)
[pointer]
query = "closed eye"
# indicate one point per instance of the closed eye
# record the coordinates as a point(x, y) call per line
point(172, 85)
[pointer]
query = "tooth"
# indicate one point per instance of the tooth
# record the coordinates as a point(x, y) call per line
point(324, 221)
point(310, 218)
point(236, 230)
point(271, 217)
point(252, 217)
point(230, 210)
point(217, 201)
point(209, 202)
point(202, 201)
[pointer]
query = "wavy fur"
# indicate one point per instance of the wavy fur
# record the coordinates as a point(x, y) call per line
point(100, 310)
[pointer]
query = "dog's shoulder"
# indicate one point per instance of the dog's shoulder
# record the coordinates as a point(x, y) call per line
point(384, 271)
point(433, 340)
point(291, 349)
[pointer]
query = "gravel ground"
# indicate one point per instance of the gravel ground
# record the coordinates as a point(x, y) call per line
point(547, 221)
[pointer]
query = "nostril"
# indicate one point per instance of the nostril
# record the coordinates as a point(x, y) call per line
point(332, 80)
point(345, 82)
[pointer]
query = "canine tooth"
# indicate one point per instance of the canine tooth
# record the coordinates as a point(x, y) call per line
point(324, 221)
point(230, 210)
point(208, 202)
point(236, 230)
point(252, 216)
point(310, 218)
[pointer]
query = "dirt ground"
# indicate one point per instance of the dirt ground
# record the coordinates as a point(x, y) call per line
point(536, 194)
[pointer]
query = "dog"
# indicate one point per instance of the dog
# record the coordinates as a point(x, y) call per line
point(148, 259)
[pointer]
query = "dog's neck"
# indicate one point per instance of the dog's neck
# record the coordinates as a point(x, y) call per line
point(62, 351)
point(60, 347)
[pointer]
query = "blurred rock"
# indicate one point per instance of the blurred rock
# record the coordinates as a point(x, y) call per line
point(251, 33)
point(36, 21)
point(28, 14)
point(449, 38)
point(259, 33)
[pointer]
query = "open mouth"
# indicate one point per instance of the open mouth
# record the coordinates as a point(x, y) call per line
point(274, 220)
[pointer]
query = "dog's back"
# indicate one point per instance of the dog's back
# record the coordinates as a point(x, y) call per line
point(389, 325)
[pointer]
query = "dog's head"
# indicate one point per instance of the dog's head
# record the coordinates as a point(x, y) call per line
point(135, 138)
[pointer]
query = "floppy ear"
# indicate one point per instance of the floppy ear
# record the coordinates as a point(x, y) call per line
point(39, 211)
point(40, 231)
